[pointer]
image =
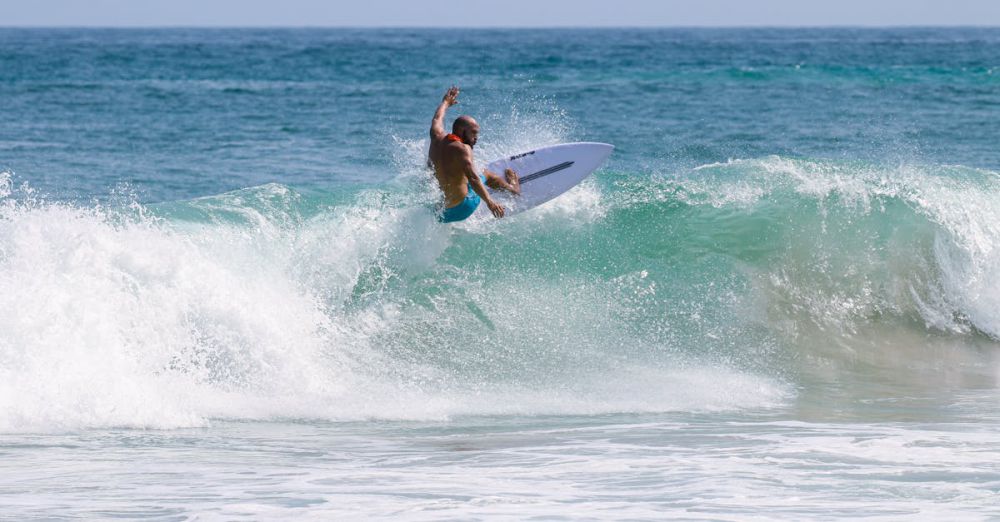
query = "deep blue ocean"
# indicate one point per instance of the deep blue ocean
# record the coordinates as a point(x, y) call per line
point(224, 295)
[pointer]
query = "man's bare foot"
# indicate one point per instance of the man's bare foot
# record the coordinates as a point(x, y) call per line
point(513, 180)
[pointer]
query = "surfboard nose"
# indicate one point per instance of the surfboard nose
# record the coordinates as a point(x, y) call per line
point(601, 150)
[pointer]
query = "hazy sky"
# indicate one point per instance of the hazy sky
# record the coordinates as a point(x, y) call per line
point(506, 13)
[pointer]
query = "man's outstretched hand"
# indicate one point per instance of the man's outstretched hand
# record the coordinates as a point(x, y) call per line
point(451, 97)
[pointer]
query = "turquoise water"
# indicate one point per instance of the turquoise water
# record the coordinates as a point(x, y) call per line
point(224, 295)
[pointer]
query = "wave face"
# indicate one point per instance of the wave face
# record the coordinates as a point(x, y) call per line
point(774, 276)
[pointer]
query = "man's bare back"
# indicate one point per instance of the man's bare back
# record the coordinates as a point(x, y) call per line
point(454, 166)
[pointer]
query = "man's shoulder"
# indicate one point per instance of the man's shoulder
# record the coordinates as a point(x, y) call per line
point(451, 147)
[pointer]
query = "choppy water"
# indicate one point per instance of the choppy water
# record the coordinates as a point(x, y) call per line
point(224, 295)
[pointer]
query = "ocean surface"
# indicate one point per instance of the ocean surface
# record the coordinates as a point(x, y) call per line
point(224, 295)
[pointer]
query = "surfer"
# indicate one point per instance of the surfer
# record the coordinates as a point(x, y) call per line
point(451, 155)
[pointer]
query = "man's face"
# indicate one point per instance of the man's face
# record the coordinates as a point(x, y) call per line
point(471, 135)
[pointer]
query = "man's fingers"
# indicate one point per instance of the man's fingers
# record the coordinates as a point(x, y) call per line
point(452, 95)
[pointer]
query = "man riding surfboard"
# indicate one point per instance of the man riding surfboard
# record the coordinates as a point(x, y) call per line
point(454, 168)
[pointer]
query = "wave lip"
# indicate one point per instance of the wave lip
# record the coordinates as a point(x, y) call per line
point(843, 240)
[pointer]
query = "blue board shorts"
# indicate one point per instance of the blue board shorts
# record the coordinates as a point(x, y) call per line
point(464, 209)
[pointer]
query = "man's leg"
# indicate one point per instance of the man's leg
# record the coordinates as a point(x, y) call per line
point(510, 182)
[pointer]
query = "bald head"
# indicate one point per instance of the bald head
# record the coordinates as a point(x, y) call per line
point(463, 122)
point(465, 127)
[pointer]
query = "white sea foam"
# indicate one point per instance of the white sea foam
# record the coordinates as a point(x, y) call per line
point(692, 467)
point(121, 319)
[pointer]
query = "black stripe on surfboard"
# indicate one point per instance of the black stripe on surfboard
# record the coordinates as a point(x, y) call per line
point(545, 172)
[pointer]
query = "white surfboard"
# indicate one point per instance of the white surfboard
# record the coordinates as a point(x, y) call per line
point(546, 173)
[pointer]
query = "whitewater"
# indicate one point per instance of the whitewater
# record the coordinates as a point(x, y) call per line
point(260, 317)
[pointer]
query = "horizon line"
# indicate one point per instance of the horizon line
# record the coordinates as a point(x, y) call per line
point(509, 27)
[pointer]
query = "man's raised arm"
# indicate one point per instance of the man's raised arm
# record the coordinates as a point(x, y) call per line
point(437, 125)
